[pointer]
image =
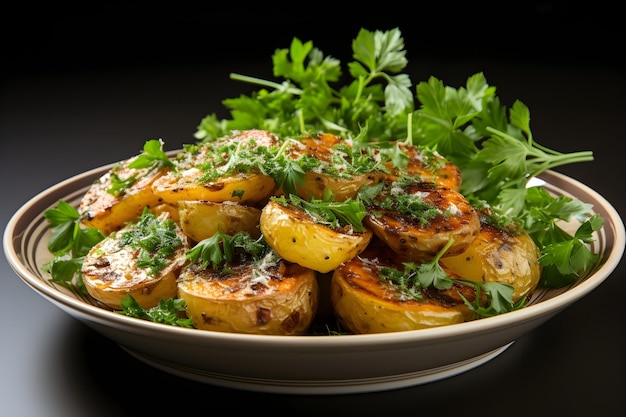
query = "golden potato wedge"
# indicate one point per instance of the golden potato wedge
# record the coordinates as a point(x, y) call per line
point(112, 268)
point(363, 303)
point(245, 188)
point(316, 183)
point(428, 167)
point(211, 171)
point(341, 184)
point(298, 238)
point(272, 297)
point(171, 209)
point(109, 212)
point(202, 219)
point(497, 255)
point(417, 220)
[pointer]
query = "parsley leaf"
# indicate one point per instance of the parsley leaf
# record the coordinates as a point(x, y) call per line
point(153, 156)
point(307, 100)
point(500, 297)
point(166, 312)
point(564, 256)
point(69, 243)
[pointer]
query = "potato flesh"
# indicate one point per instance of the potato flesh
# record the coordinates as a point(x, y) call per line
point(283, 303)
point(298, 238)
point(498, 256)
point(202, 219)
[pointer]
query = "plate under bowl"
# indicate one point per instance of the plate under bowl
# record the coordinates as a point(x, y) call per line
point(305, 364)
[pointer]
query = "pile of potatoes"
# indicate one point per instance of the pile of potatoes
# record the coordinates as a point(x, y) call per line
point(315, 269)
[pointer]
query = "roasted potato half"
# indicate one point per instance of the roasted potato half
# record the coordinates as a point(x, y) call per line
point(202, 219)
point(273, 298)
point(298, 238)
point(499, 255)
point(364, 303)
point(245, 188)
point(113, 268)
point(211, 171)
point(105, 209)
point(315, 185)
point(428, 166)
point(319, 180)
point(418, 220)
point(171, 209)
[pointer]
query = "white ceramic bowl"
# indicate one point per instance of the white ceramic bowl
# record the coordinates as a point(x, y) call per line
point(305, 364)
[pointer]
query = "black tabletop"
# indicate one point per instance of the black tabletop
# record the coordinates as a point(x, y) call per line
point(90, 88)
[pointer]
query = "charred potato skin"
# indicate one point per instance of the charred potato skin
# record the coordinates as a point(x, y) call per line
point(245, 188)
point(433, 169)
point(285, 305)
point(315, 185)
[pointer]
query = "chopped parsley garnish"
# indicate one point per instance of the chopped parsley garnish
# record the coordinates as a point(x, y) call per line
point(156, 239)
point(391, 196)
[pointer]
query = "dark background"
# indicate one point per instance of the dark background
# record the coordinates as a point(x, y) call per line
point(87, 86)
point(167, 34)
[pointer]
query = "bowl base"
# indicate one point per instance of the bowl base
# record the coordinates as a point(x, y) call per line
point(319, 387)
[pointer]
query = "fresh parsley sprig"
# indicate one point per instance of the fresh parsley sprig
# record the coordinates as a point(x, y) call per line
point(308, 101)
point(492, 145)
point(500, 297)
point(564, 256)
point(153, 156)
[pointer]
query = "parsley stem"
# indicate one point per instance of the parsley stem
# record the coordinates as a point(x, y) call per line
point(543, 158)
point(286, 86)
point(409, 129)
point(560, 160)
